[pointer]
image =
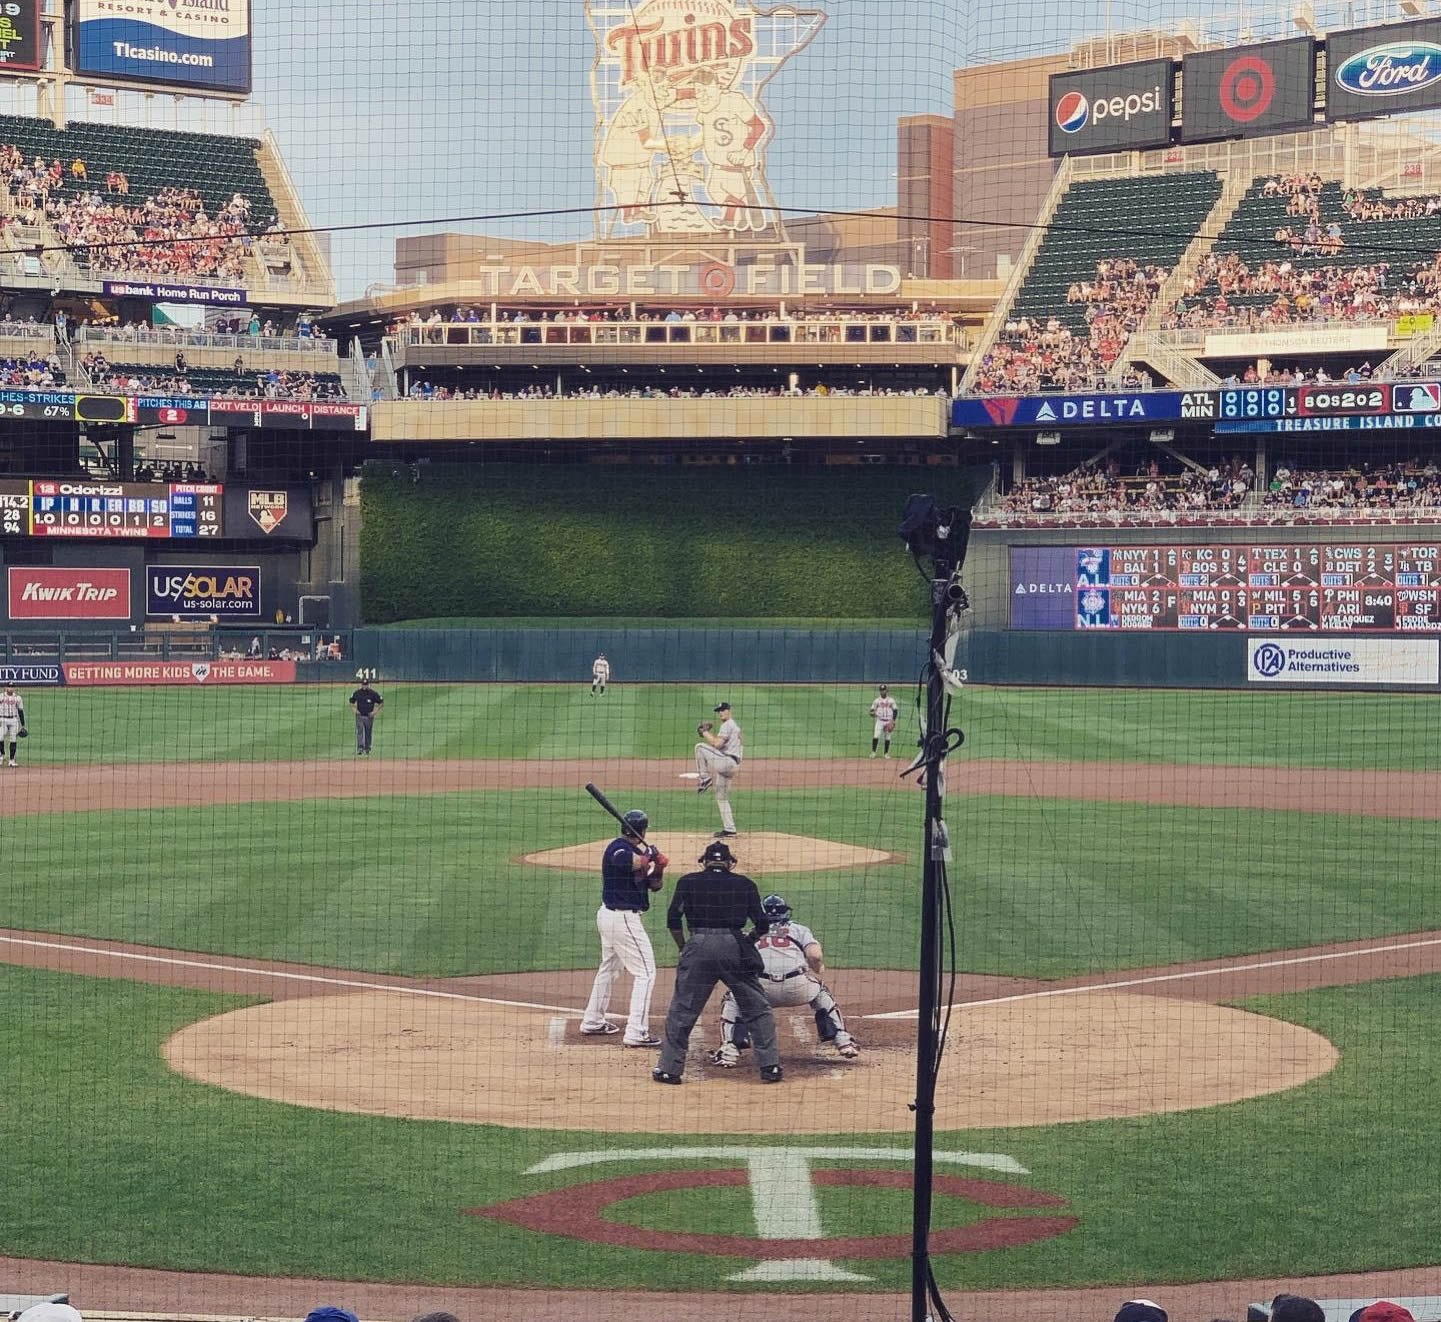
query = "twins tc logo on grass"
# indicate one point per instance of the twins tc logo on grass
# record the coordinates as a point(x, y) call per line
point(785, 1211)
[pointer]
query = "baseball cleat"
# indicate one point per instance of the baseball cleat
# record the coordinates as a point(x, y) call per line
point(771, 1074)
point(725, 1057)
point(702, 786)
point(605, 1031)
point(660, 1076)
point(850, 1051)
point(644, 1042)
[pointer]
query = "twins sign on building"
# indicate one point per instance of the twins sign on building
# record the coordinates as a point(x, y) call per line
point(681, 131)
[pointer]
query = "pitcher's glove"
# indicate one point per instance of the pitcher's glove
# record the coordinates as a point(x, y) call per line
point(890, 727)
point(705, 727)
point(23, 733)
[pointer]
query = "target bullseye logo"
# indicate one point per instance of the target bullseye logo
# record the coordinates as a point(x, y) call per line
point(1072, 112)
point(1248, 86)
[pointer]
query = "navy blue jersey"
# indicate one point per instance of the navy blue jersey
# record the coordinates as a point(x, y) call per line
point(622, 886)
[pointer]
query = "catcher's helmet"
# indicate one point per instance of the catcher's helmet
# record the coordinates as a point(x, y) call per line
point(717, 855)
point(636, 823)
point(775, 908)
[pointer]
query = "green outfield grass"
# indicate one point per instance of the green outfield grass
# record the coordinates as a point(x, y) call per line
point(431, 884)
point(1329, 1177)
point(1374, 731)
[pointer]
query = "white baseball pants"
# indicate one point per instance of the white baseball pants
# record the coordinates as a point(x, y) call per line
point(805, 990)
point(624, 944)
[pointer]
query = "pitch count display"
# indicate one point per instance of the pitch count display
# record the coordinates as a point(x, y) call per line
point(111, 509)
point(1358, 587)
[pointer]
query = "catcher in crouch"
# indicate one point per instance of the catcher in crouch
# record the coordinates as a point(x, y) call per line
point(884, 709)
point(794, 966)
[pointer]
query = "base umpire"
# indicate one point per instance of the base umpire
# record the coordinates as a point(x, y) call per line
point(716, 902)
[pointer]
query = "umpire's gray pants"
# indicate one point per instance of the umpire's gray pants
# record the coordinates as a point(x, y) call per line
point(709, 958)
point(363, 727)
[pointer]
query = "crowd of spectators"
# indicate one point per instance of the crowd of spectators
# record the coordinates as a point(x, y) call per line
point(426, 390)
point(1394, 486)
point(1281, 291)
point(31, 373)
point(1031, 354)
point(171, 471)
point(169, 233)
point(1222, 493)
point(302, 387)
point(1104, 488)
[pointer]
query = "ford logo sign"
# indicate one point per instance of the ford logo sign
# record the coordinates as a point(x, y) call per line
point(1391, 70)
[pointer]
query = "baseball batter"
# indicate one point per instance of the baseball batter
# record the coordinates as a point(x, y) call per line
point(732, 128)
point(599, 675)
point(718, 758)
point(884, 711)
point(630, 870)
point(12, 721)
point(794, 966)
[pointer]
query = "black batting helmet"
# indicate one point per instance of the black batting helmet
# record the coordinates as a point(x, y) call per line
point(636, 823)
point(717, 855)
point(775, 908)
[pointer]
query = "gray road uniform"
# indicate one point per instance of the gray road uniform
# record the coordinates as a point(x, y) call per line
point(787, 980)
point(718, 764)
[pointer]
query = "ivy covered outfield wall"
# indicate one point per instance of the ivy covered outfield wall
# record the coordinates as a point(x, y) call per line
point(496, 540)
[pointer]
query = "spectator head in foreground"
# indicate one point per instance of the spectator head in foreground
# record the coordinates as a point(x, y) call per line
point(1296, 1308)
point(1140, 1310)
point(1383, 1310)
point(49, 1312)
point(331, 1314)
point(439, 1316)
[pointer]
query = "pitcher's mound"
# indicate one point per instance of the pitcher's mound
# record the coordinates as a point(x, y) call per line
point(758, 851)
point(1034, 1061)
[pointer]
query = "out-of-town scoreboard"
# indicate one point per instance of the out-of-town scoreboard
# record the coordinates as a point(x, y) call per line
point(1357, 587)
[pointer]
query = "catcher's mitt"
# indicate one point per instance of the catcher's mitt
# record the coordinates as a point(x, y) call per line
point(23, 733)
point(890, 727)
point(705, 727)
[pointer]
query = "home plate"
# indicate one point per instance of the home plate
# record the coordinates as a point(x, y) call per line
point(758, 851)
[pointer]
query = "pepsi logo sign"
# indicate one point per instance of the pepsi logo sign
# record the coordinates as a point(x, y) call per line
point(1394, 69)
point(1072, 112)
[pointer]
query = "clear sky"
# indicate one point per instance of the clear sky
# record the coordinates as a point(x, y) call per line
point(442, 108)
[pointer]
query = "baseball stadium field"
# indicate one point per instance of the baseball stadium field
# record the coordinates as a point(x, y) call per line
point(1199, 945)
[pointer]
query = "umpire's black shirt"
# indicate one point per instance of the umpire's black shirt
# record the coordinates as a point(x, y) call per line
point(716, 898)
point(365, 701)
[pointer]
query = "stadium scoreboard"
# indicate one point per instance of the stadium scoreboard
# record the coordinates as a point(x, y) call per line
point(82, 509)
point(1354, 587)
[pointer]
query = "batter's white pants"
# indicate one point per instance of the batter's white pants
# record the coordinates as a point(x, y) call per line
point(624, 944)
point(720, 769)
point(805, 990)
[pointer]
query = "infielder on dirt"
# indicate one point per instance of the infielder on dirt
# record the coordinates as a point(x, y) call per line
point(12, 721)
point(718, 758)
point(794, 965)
point(884, 709)
point(599, 675)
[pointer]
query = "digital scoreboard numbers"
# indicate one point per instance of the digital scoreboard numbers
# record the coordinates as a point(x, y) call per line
point(1360, 587)
point(125, 509)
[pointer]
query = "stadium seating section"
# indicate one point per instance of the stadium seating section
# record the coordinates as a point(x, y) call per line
point(1097, 221)
point(1321, 281)
point(152, 160)
point(218, 381)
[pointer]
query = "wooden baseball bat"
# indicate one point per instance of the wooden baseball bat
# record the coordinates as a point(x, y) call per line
point(596, 794)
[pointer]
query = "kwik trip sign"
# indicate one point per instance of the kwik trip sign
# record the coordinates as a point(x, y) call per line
point(1244, 91)
point(681, 127)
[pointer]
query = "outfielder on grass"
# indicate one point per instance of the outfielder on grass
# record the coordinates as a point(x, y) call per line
point(794, 965)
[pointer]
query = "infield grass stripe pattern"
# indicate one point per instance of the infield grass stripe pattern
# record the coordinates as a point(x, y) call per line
point(427, 884)
point(1363, 730)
